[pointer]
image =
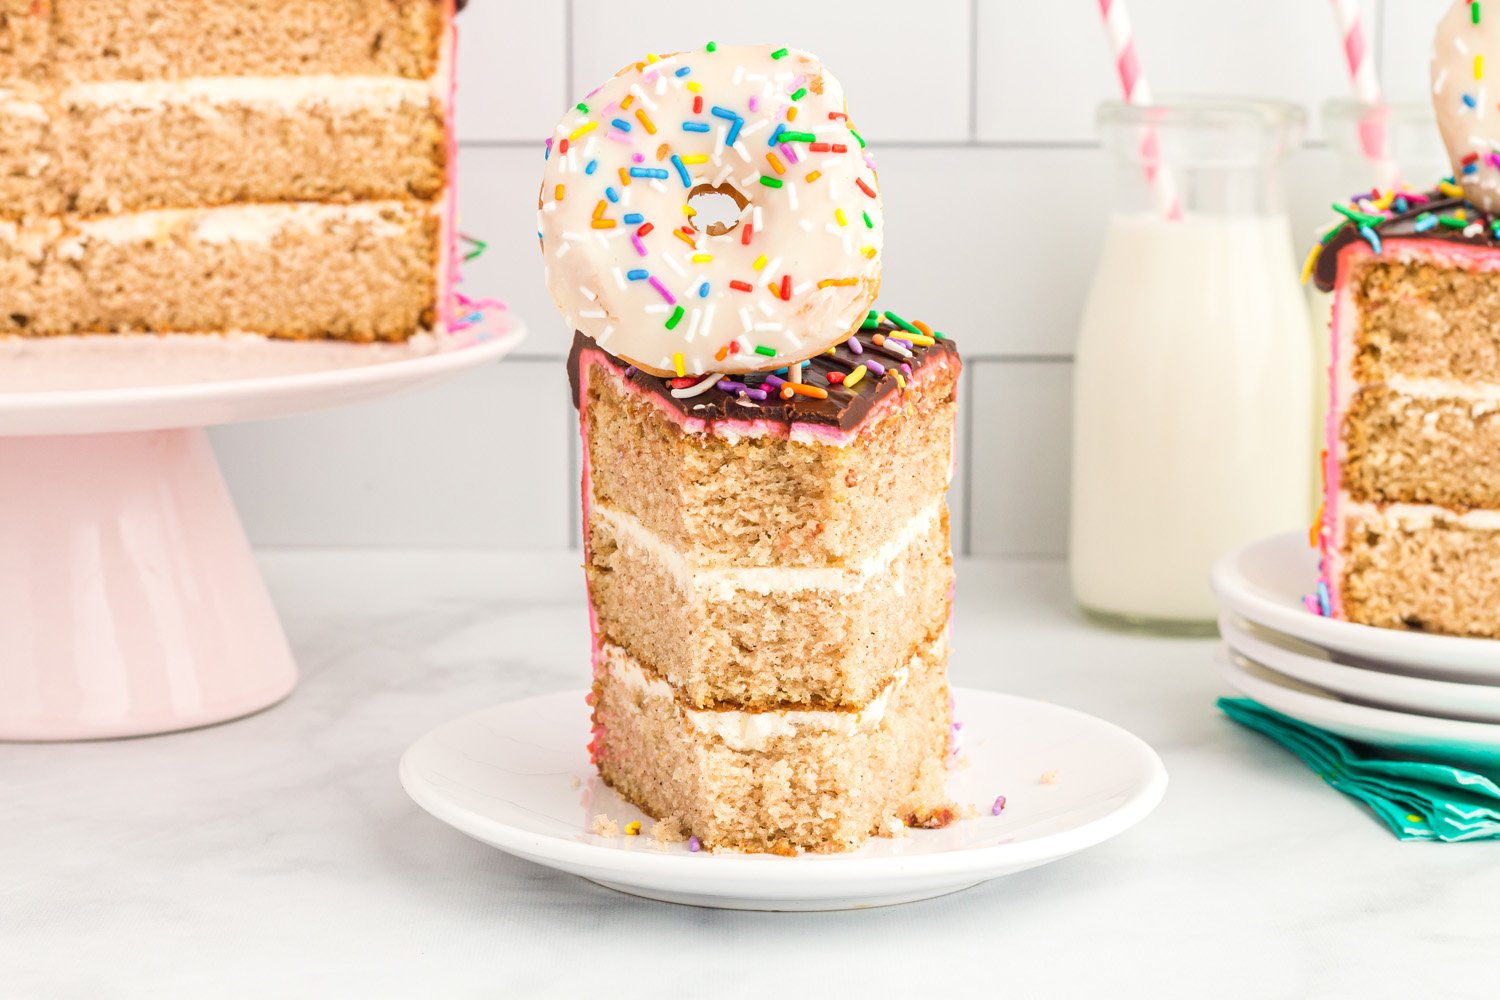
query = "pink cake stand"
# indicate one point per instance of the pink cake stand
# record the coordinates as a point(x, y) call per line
point(130, 602)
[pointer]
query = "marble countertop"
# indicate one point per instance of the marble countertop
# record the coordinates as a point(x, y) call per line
point(277, 856)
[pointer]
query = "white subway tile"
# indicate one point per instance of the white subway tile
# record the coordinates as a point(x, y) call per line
point(1043, 67)
point(905, 67)
point(481, 460)
point(511, 69)
point(993, 246)
point(1021, 420)
point(497, 203)
point(1312, 186)
point(1406, 47)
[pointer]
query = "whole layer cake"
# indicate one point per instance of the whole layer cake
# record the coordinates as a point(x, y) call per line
point(1410, 528)
point(770, 583)
point(267, 166)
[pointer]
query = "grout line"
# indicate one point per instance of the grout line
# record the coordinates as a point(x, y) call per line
point(967, 456)
point(1019, 145)
point(891, 144)
point(1377, 38)
point(567, 59)
point(1021, 359)
point(973, 72)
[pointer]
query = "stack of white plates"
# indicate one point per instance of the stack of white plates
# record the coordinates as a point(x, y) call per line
point(1431, 694)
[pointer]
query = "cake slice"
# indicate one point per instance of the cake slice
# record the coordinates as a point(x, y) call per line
point(263, 166)
point(1410, 527)
point(770, 585)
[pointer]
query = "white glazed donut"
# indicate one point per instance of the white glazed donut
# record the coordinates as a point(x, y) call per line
point(712, 211)
point(1464, 39)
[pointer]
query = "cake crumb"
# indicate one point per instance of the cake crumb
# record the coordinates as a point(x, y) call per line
point(894, 827)
point(1048, 778)
point(666, 831)
point(577, 781)
point(603, 826)
point(934, 820)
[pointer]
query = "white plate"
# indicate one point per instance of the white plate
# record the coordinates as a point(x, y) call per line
point(1447, 740)
point(141, 382)
point(1264, 582)
point(517, 776)
point(1312, 665)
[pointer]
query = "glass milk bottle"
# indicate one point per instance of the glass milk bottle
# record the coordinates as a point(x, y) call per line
point(1192, 387)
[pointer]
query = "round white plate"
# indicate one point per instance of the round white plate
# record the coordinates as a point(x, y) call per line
point(1448, 740)
point(1312, 665)
point(141, 382)
point(517, 776)
point(1264, 582)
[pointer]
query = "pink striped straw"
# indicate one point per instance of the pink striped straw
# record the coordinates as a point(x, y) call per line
point(1138, 91)
point(1372, 135)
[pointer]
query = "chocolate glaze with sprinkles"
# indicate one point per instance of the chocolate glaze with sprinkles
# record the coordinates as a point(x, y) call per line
point(845, 407)
point(1475, 230)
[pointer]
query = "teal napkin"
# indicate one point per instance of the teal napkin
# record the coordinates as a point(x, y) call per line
point(1417, 799)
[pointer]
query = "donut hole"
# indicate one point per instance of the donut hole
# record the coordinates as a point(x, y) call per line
point(717, 209)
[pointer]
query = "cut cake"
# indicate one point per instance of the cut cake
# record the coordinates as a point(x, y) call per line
point(1410, 527)
point(268, 166)
point(770, 583)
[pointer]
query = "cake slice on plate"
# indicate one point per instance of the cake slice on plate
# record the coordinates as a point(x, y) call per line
point(1410, 527)
point(770, 584)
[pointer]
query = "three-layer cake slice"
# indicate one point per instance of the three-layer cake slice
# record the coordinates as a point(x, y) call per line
point(770, 582)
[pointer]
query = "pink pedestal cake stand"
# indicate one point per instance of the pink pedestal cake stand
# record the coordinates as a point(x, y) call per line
point(130, 602)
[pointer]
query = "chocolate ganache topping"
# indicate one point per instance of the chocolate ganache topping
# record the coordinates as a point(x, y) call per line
point(1434, 216)
point(844, 383)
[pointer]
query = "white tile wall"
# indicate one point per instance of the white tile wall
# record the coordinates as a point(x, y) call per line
point(905, 66)
point(1405, 44)
point(981, 114)
point(1042, 72)
point(482, 461)
point(1019, 483)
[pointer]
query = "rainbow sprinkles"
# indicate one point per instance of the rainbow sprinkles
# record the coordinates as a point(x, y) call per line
point(713, 212)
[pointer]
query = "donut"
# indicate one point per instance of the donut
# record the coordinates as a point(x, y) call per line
point(712, 211)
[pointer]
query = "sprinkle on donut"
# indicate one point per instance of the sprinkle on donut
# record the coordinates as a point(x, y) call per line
point(712, 212)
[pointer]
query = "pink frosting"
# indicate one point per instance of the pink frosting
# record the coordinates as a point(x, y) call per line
point(447, 80)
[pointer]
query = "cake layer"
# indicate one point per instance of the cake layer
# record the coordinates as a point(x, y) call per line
point(26, 154)
point(79, 40)
point(766, 490)
point(777, 781)
point(365, 271)
point(1429, 314)
point(23, 38)
point(1418, 567)
point(766, 637)
point(115, 147)
point(1399, 446)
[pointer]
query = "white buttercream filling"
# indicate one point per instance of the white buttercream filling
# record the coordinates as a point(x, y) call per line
point(1418, 515)
point(724, 583)
point(1444, 388)
point(751, 730)
point(293, 91)
point(12, 103)
point(249, 223)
